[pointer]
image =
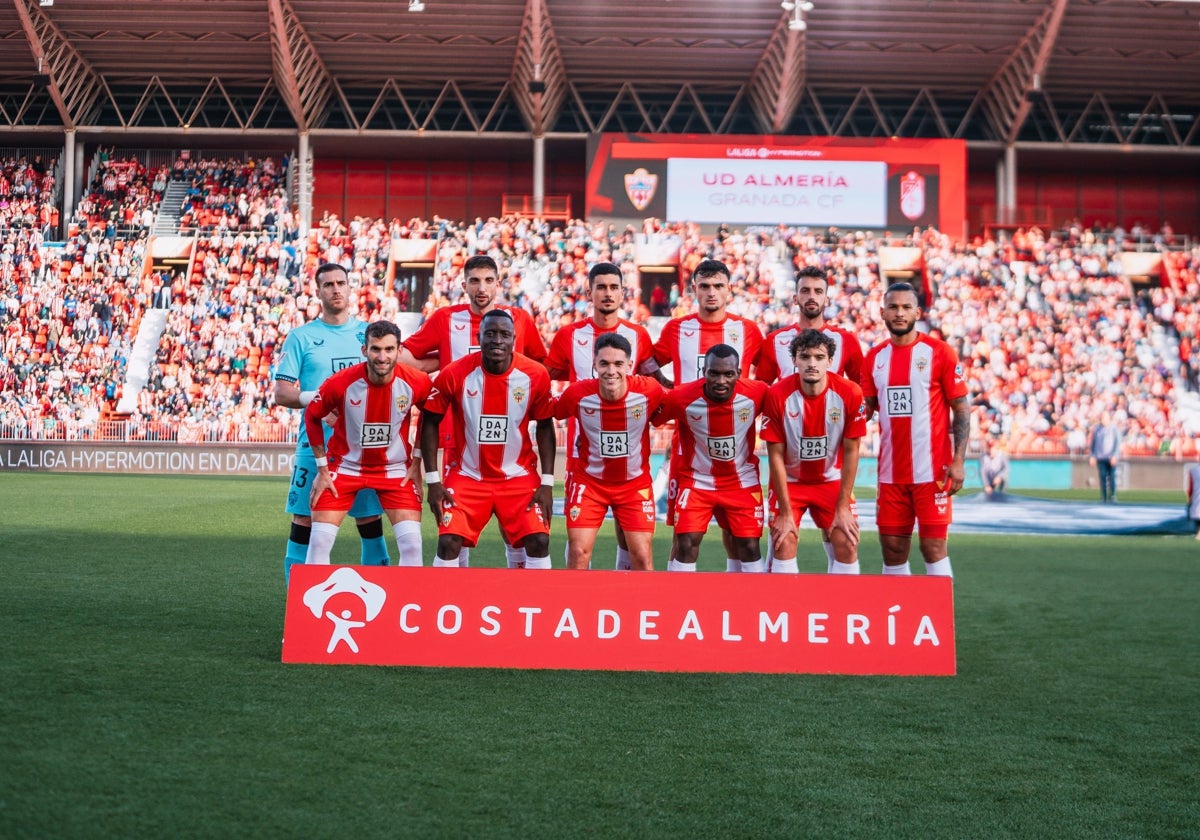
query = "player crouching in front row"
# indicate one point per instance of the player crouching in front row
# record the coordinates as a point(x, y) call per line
point(610, 467)
point(492, 396)
point(369, 449)
point(814, 420)
point(717, 473)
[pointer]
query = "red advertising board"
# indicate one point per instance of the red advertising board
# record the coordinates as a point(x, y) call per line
point(620, 621)
point(743, 180)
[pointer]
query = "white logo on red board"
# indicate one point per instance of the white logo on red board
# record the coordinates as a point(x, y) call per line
point(912, 195)
point(640, 187)
point(345, 581)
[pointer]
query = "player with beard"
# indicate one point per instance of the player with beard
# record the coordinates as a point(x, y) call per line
point(684, 343)
point(491, 398)
point(811, 299)
point(813, 421)
point(572, 355)
point(452, 332)
point(369, 448)
point(916, 383)
point(776, 360)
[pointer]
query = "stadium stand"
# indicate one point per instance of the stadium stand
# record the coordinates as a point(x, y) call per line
point(1050, 331)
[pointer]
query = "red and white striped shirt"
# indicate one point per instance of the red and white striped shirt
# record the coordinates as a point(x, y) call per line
point(491, 416)
point(371, 436)
point(451, 333)
point(684, 341)
point(914, 385)
point(614, 438)
point(716, 440)
point(574, 347)
point(775, 360)
point(812, 429)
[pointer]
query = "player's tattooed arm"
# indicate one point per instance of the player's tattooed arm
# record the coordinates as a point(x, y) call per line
point(961, 425)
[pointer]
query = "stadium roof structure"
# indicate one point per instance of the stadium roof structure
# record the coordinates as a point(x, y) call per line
point(994, 72)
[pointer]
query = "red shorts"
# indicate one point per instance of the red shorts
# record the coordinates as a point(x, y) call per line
point(900, 505)
point(820, 500)
point(394, 493)
point(742, 510)
point(672, 483)
point(476, 501)
point(588, 499)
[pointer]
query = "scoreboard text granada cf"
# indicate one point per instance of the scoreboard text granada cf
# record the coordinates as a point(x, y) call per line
point(620, 621)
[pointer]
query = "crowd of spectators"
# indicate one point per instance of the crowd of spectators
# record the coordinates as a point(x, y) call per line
point(1050, 333)
point(123, 197)
point(235, 194)
point(27, 195)
point(70, 315)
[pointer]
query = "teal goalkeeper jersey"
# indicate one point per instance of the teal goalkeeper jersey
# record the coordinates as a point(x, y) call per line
point(314, 351)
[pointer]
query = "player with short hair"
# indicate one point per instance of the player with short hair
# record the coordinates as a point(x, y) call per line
point(810, 299)
point(572, 355)
point(775, 360)
point(917, 384)
point(369, 448)
point(492, 396)
point(718, 468)
point(611, 463)
point(311, 353)
point(452, 333)
point(813, 421)
point(684, 342)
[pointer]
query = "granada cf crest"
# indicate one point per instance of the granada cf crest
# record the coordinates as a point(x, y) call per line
point(637, 411)
point(912, 195)
point(835, 414)
point(743, 415)
point(402, 403)
point(518, 394)
point(640, 187)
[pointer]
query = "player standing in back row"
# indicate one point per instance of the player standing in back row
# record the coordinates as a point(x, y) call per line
point(452, 333)
point(916, 383)
point(685, 341)
point(311, 354)
point(572, 357)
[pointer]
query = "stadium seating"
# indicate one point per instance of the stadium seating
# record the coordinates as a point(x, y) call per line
point(1049, 332)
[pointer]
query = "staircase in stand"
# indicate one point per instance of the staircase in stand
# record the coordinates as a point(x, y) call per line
point(166, 223)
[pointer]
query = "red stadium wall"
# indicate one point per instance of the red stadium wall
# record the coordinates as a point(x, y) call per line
point(466, 189)
point(454, 189)
point(1101, 200)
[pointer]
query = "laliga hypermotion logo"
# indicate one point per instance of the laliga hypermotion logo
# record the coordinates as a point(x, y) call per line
point(345, 581)
point(640, 186)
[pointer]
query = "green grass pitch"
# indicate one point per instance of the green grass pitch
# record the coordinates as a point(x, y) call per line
point(141, 695)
